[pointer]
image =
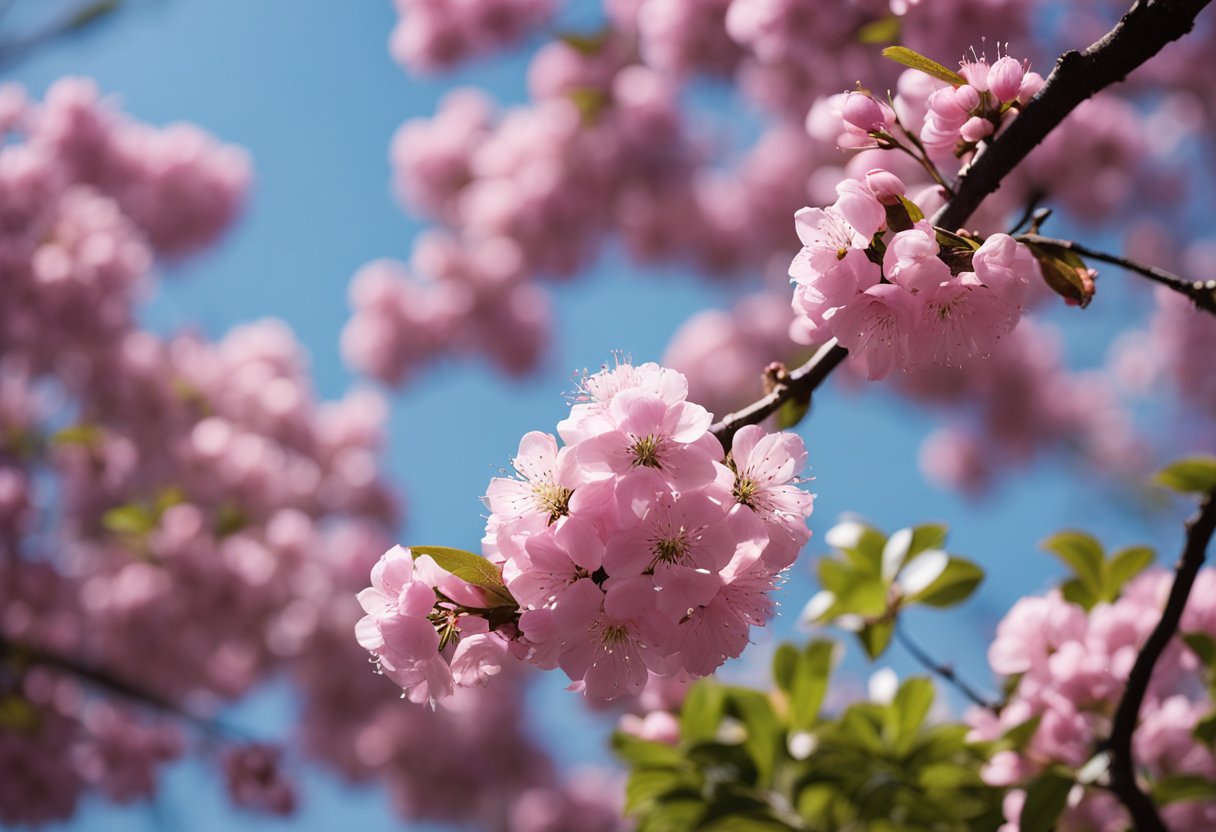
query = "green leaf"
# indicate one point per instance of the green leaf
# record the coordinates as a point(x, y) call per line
point(792, 411)
point(1205, 730)
point(915, 60)
point(1075, 592)
point(885, 30)
point(764, 732)
point(641, 753)
point(740, 823)
point(677, 814)
point(1203, 646)
point(809, 684)
point(1064, 272)
point(590, 44)
point(1046, 798)
point(1083, 555)
point(1020, 735)
point(908, 711)
point(948, 239)
point(876, 638)
point(589, 101)
point(82, 434)
point(129, 519)
point(470, 568)
point(955, 585)
point(1182, 787)
point(927, 536)
point(703, 709)
point(914, 212)
point(1123, 566)
point(647, 785)
point(1193, 475)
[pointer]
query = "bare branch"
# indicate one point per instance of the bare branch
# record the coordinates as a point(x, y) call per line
point(1199, 530)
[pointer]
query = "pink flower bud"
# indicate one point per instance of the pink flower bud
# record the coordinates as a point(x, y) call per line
point(1032, 82)
point(976, 128)
point(886, 186)
point(967, 97)
point(1005, 79)
point(864, 114)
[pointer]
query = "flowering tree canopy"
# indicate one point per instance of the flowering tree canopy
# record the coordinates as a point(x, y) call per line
point(185, 520)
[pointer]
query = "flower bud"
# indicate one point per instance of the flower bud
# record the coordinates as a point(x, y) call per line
point(975, 129)
point(886, 186)
point(1005, 79)
point(1032, 82)
point(967, 97)
point(863, 114)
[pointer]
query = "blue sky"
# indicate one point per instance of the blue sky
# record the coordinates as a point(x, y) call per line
point(308, 87)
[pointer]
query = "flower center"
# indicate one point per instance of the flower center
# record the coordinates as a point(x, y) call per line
point(745, 491)
point(671, 549)
point(552, 500)
point(616, 634)
point(646, 452)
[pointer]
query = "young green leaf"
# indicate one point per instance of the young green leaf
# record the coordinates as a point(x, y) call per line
point(703, 709)
point(955, 584)
point(1123, 566)
point(1046, 798)
point(1083, 555)
point(470, 568)
point(1193, 475)
point(915, 60)
point(809, 683)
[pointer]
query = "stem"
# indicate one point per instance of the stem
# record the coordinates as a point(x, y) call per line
point(1199, 530)
point(945, 671)
point(1201, 292)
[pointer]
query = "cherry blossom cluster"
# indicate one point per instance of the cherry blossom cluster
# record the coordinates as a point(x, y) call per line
point(433, 36)
point(902, 302)
point(1070, 667)
point(89, 196)
point(634, 548)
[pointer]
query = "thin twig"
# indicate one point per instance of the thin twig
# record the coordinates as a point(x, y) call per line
point(1199, 530)
point(1201, 292)
point(944, 671)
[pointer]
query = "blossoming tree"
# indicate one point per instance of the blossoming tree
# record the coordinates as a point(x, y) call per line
point(183, 520)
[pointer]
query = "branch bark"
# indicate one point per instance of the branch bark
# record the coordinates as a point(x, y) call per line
point(1143, 32)
point(1145, 817)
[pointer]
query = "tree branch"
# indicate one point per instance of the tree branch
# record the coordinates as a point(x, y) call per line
point(1199, 530)
point(945, 671)
point(1143, 32)
point(103, 679)
point(1201, 292)
point(800, 384)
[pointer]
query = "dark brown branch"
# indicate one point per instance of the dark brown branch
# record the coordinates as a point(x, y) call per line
point(1147, 27)
point(1199, 530)
point(945, 671)
point(104, 680)
point(1201, 292)
point(800, 384)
